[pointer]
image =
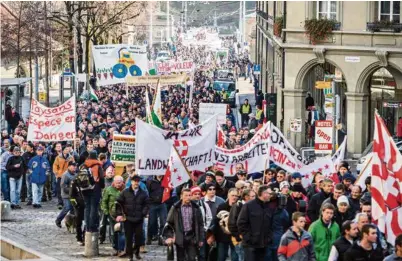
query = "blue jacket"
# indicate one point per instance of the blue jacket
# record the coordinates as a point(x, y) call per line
point(39, 166)
point(280, 223)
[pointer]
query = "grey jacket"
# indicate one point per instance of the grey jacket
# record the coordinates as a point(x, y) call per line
point(293, 249)
point(65, 184)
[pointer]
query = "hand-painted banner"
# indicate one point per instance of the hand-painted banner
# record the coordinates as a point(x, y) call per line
point(52, 124)
point(172, 79)
point(207, 110)
point(253, 155)
point(153, 145)
point(123, 148)
point(114, 62)
point(174, 66)
point(325, 166)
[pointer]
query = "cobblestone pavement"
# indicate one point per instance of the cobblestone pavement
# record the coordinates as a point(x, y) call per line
point(35, 228)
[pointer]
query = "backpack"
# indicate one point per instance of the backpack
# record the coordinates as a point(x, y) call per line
point(85, 179)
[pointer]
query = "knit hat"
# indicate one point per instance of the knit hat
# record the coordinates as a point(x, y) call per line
point(93, 154)
point(298, 187)
point(343, 199)
point(195, 189)
point(344, 164)
point(211, 174)
point(283, 184)
point(349, 177)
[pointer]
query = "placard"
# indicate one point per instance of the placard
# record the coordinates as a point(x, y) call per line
point(174, 66)
point(172, 79)
point(207, 110)
point(296, 125)
point(123, 148)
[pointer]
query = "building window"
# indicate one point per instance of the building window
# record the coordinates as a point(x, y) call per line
point(389, 11)
point(326, 10)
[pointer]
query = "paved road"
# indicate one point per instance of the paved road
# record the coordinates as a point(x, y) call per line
point(35, 228)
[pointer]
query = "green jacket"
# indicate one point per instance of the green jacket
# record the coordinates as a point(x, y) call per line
point(323, 238)
point(109, 197)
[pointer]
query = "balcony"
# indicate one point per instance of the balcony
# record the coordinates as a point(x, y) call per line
point(384, 26)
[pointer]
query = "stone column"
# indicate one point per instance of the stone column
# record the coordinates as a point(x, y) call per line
point(294, 107)
point(357, 122)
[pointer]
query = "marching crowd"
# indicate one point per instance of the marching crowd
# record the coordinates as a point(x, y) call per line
point(263, 216)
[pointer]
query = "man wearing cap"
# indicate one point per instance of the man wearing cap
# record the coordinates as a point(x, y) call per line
point(16, 167)
point(92, 197)
point(59, 168)
point(348, 181)
point(297, 179)
point(38, 171)
point(297, 202)
point(240, 175)
point(65, 182)
point(132, 207)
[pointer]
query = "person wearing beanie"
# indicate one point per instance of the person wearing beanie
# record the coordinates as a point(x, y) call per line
point(348, 181)
point(209, 179)
point(343, 211)
point(343, 168)
point(284, 188)
point(297, 202)
point(92, 197)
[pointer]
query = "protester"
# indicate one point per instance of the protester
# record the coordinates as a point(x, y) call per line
point(26, 191)
point(398, 250)
point(341, 245)
point(222, 185)
point(297, 244)
point(60, 166)
point(157, 210)
point(343, 211)
point(38, 171)
point(365, 249)
point(316, 201)
point(5, 184)
point(16, 167)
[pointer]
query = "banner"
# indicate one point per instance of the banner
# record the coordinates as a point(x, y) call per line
point(174, 66)
point(172, 79)
point(207, 110)
point(222, 55)
point(114, 62)
point(153, 145)
point(323, 165)
point(282, 153)
point(253, 155)
point(52, 124)
point(123, 148)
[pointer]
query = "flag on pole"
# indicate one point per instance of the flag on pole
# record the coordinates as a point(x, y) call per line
point(339, 155)
point(325, 166)
point(92, 95)
point(221, 137)
point(157, 103)
point(148, 107)
point(175, 175)
point(364, 173)
point(386, 182)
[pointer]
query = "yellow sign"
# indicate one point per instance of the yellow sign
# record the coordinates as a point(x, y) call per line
point(42, 96)
point(153, 79)
point(322, 85)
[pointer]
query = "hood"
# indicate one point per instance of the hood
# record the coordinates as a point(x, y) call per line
point(91, 162)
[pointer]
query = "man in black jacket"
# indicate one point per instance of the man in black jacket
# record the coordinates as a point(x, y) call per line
point(133, 204)
point(157, 209)
point(222, 185)
point(184, 227)
point(16, 167)
point(26, 191)
point(338, 191)
point(316, 201)
point(341, 245)
point(366, 249)
point(255, 225)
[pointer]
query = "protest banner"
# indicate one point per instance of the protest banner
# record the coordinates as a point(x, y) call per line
point(123, 148)
point(207, 110)
point(174, 66)
point(52, 124)
point(325, 166)
point(172, 79)
point(114, 62)
point(253, 155)
point(323, 137)
point(282, 153)
point(153, 146)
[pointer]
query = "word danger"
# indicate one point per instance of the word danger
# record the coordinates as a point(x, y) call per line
point(187, 133)
point(38, 135)
point(257, 151)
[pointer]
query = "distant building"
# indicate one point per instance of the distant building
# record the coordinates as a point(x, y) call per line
point(362, 55)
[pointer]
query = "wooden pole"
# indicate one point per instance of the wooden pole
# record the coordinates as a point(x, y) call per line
point(184, 164)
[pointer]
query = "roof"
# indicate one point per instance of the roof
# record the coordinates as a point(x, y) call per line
point(5, 82)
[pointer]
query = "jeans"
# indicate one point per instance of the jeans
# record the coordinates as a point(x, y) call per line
point(37, 190)
point(58, 192)
point(156, 212)
point(223, 249)
point(28, 181)
point(240, 251)
point(5, 185)
point(67, 207)
point(92, 199)
point(53, 184)
point(115, 234)
point(271, 254)
point(254, 254)
point(15, 190)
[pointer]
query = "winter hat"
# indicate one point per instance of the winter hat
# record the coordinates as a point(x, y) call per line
point(344, 164)
point(297, 187)
point(349, 177)
point(93, 154)
point(283, 184)
point(195, 190)
point(342, 199)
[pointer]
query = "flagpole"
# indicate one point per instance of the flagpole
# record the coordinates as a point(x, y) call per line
point(184, 164)
point(363, 170)
point(154, 98)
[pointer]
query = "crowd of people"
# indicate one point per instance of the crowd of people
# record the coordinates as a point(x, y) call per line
point(250, 216)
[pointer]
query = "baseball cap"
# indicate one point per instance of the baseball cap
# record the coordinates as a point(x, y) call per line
point(296, 175)
point(241, 172)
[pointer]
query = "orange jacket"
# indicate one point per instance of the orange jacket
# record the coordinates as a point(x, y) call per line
point(96, 168)
point(60, 165)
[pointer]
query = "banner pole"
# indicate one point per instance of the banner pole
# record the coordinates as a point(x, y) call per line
point(184, 164)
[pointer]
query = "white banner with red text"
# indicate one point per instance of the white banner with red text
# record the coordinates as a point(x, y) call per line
point(153, 145)
point(52, 124)
point(172, 66)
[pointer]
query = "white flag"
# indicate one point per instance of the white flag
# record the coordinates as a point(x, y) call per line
point(323, 165)
point(339, 155)
point(148, 107)
point(157, 104)
point(178, 171)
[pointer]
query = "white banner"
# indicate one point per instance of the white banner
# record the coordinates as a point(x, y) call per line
point(282, 153)
point(52, 124)
point(253, 155)
point(174, 66)
point(323, 165)
point(195, 146)
point(207, 110)
point(114, 62)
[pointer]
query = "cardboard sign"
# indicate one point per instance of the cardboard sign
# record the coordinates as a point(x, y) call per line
point(323, 137)
point(207, 110)
point(52, 124)
point(153, 79)
point(123, 148)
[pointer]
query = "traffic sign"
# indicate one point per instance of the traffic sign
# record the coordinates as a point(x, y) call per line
point(322, 85)
point(257, 69)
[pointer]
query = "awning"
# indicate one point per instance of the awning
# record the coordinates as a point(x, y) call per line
point(6, 82)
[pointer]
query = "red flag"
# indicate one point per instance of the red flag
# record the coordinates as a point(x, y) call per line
point(167, 185)
point(386, 181)
point(221, 138)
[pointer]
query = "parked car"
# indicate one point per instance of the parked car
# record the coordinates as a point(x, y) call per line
point(162, 56)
